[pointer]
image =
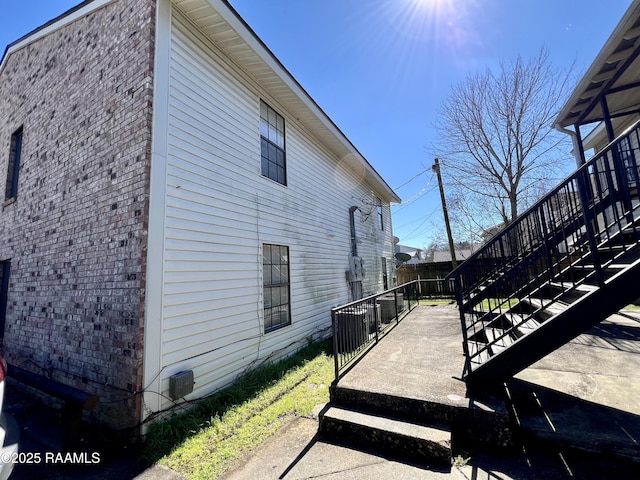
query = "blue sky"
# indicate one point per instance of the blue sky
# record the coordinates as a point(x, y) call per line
point(381, 68)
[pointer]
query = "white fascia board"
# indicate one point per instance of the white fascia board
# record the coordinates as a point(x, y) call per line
point(625, 23)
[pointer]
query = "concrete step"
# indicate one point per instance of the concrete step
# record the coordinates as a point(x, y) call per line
point(395, 438)
point(411, 409)
point(476, 424)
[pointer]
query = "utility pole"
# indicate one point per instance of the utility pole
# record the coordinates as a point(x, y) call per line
point(436, 168)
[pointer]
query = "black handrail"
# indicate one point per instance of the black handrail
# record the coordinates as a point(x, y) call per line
point(577, 173)
point(359, 325)
point(543, 253)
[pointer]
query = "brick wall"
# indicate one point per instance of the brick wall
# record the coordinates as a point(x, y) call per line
point(76, 234)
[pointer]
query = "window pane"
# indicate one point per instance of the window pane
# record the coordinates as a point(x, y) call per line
point(275, 296)
point(268, 275)
point(268, 319)
point(282, 317)
point(272, 143)
point(265, 167)
point(280, 125)
point(268, 303)
point(276, 274)
point(263, 110)
point(273, 117)
point(284, 254)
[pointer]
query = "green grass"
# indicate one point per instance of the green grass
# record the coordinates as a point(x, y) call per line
point(632, 307)
point(209, 439)
point(437, 301)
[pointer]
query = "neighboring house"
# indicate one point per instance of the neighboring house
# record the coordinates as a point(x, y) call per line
point(416, 254)
point(462, 253)
point(175, 201)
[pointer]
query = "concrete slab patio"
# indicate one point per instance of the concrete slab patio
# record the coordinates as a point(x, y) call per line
point(422, 357)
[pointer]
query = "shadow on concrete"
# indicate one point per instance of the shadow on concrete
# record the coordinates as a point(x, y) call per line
point(556, 418)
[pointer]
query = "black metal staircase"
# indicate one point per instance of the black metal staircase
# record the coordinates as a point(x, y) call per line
point(563, 266)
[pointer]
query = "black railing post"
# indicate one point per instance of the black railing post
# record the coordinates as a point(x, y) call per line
point(335, 343)
point(395, 302)
point(463, 324)
point(589, 218)
point(376, 318)
point(622, 178)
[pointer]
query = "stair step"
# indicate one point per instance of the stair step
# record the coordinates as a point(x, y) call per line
point(520, 328)
point(567, 286)
point(416, 410)
point(528, 326)
point(498, 340)
point(568, 322)
point(428, 445)
point(546, 308)
point(478, 352)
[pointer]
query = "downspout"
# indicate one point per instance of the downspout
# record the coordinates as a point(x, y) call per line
point(352, 224)
point(578, 152)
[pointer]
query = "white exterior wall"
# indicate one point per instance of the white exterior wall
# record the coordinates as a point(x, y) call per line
point(212, 210)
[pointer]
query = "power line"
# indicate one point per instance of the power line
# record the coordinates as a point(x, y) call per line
point(412, 179)
point(422, 223)
point(422, 192)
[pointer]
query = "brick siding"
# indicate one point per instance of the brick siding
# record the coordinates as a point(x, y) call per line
point(76, 234)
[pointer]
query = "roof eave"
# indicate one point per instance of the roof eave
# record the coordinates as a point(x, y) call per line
point(307, 110)
point(568, 114)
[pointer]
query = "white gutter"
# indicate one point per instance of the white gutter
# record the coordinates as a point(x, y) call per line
point(574, 141)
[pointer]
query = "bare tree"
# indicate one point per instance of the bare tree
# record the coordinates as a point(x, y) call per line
point(495, 141)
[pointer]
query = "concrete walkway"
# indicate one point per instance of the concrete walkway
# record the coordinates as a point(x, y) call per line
point(587, 390)
point(422, 357)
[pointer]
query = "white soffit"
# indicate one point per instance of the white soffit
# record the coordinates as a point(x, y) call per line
point(223, 26)
point(621, 93)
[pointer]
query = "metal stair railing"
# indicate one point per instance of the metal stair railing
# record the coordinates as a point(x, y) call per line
point(568, 238)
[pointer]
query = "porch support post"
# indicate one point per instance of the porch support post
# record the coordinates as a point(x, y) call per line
point(580, 146)
point(607, 118)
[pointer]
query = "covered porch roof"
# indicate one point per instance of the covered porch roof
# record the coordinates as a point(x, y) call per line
point(611, 86)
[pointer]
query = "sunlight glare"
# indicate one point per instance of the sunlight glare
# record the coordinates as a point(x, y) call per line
point(444, 24)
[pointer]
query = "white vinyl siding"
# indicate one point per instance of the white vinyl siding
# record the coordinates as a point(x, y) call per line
point(219, 212)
